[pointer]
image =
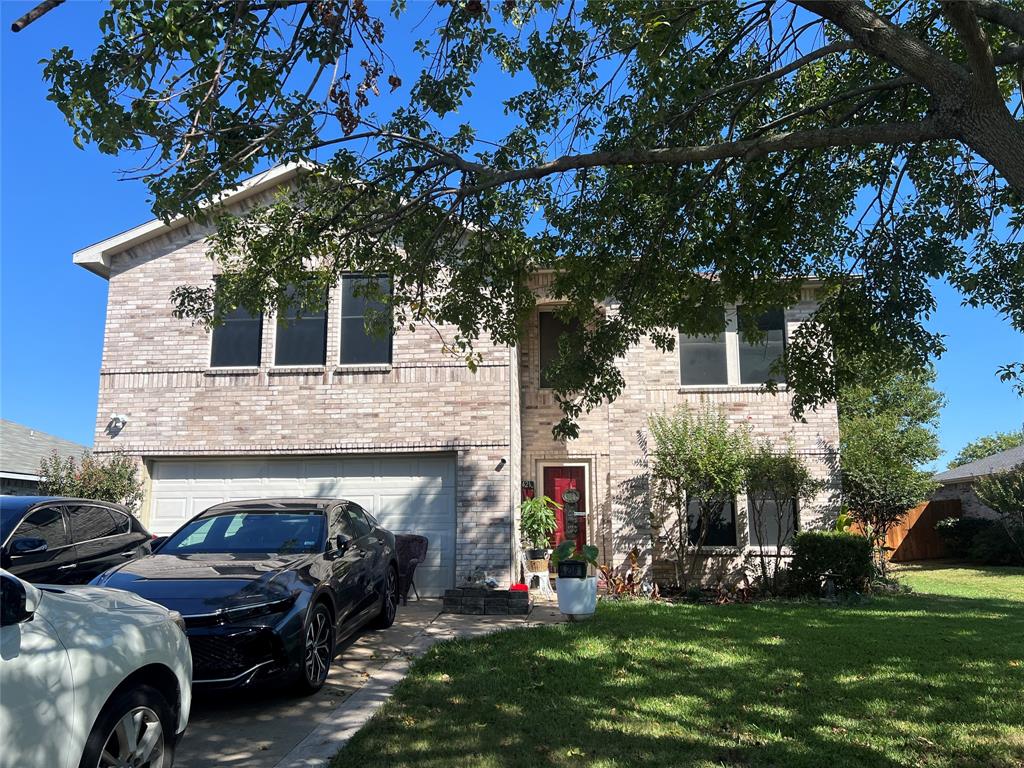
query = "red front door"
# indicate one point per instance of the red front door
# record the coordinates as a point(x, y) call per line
point(556, 481)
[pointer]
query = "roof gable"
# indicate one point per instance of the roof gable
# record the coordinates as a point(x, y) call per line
point(96, 258)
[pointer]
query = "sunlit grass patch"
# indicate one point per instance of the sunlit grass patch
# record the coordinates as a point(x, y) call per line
point(923, 680)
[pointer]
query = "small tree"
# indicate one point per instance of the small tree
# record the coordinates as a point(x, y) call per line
point(1004, 492)
point(887, 431)
point(696, 457)
point(115, 478)
point(988, 445)
point(777, 485)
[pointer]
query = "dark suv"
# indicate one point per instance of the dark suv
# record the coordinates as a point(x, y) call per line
point(56, 540)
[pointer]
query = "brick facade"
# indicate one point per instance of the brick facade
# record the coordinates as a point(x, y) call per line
point(156, 371)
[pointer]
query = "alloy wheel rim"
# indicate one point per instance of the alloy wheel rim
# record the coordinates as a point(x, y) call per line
point(318, 650)
point(136, 741)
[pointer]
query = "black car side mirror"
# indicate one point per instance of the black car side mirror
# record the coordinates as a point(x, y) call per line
point(28, 545)
point(341, 542)
point(13, 602)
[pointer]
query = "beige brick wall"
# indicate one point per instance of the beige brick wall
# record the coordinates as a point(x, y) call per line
point(156, 371)
point(970, 504)
point(610, 444)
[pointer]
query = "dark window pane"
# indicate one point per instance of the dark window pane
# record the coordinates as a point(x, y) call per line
point(91, 523)
point(46, 524)
point(756, 360)
point(702, 359)
point(721, 531)
point(301, 336)
point(236, 342)
point(551, 329)
point(766, 533)
point(122, 524)
point(359, 347)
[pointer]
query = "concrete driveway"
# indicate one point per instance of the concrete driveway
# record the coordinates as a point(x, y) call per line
point(271, 728)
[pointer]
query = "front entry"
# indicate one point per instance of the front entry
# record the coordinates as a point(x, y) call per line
point(557, 480)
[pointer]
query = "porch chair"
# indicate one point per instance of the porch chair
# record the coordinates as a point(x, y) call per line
point(412, 550)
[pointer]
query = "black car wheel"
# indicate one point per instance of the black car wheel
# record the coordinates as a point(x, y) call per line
point(133, 730)
point(317, 649)
point(389, 603)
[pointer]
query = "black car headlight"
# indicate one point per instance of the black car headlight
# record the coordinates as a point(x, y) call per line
point(254, 610)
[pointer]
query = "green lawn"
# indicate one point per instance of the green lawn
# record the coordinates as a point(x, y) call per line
point(959, 580)
point(915, 680)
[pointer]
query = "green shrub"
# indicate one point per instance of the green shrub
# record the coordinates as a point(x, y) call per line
point(958, 533)
point(837, 556)
point(997, 544)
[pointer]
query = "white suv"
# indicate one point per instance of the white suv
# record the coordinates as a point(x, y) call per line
point(89, 678)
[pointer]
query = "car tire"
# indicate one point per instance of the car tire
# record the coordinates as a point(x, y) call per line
point(389, 603)
point(317, 650)
point(136, 727)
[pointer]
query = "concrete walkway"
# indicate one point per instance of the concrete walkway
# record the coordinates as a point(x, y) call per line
point(270, 728)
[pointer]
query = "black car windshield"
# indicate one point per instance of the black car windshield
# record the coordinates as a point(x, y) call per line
point(245, 532)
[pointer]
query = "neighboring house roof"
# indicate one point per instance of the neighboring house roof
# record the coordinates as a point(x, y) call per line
point(22, 448)
point(997, 462)
point(96, 258)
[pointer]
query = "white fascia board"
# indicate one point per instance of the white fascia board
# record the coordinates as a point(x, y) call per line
point(96, 258)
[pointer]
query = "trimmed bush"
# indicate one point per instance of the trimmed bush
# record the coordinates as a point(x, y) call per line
point(995, 545)
point(958, 533)
point(837, 556)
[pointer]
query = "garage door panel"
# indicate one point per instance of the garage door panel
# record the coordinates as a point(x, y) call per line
point(407, 494)
point(168, 514)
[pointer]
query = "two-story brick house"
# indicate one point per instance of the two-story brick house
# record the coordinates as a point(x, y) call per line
point(315, 407)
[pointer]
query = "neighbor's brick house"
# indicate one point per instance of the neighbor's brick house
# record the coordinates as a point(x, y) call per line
point(410, 433)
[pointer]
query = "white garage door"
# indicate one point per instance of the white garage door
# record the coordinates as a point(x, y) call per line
point(407, 494)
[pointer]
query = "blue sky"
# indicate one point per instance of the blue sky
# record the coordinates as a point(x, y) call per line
point(55, 199)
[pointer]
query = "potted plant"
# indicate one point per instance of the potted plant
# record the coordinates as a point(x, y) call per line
point(537, 522)
point(576, 588)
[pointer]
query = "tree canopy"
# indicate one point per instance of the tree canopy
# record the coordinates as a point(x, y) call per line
point(665, 158)
point(987, 446)
point(887, 431)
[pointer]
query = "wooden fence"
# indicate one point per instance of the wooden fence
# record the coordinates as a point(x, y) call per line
point(916, 538)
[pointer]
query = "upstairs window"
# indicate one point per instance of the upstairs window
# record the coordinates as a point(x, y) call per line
point(552, 327)
point(236, 341)
point(359, 346)
point(301, 334)
point(757, 358)
point(703, 359)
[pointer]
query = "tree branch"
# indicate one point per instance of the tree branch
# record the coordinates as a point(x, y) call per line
point(997, 13)
point(975, 42)
point(747, 149)
point(880, 37)
point(40, 10)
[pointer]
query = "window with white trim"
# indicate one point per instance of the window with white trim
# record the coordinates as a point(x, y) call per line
point(237, 340)
point(729, 358)
point(721, 529)
point(358, 345)
point(757, 358)
point(301, 334)
point(765, 528)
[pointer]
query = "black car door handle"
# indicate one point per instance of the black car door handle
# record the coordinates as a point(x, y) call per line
point(67, 567)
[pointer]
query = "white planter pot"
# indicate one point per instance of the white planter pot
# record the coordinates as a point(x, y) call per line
point(577, 598)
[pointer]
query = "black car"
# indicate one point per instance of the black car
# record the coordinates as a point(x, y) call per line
point(56, 540)
point(268, 587)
